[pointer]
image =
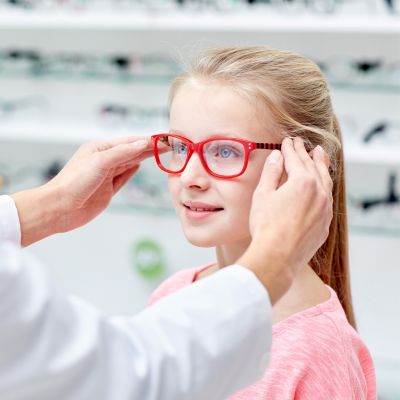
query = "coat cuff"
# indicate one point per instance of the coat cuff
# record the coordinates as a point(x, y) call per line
point(10, 229)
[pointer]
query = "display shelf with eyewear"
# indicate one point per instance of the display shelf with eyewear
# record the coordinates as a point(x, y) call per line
point(375, 210)
point(145, 193)
point(203, 15)
point(208, 21)
point(62, 132)
point(366, 74)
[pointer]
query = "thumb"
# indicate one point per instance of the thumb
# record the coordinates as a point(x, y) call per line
point(120, 180)
point(123, 153)
point(272, 171)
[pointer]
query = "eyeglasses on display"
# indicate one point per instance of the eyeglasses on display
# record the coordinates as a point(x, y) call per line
point(392, 197)
point(10, 107)
point(221, 157)
point(146, 191)
point(383, 132)
point(335, 6)
point(133, 116)
point(377, 213)
point(386, 131)
point(393, 6)
point(31, 63)
point(285, 6)
point(362, 70)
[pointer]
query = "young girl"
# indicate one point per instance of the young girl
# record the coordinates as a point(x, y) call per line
point(226, 115)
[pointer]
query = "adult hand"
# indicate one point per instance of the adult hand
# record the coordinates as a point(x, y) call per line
point(82, 189)
point(289, 222)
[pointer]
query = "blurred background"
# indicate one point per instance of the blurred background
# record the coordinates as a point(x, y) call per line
point(77, 70)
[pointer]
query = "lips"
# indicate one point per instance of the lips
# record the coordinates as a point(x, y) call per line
point(198, 212)
point(201, 207)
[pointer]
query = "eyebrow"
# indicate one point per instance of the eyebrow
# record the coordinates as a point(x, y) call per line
point(212, 136)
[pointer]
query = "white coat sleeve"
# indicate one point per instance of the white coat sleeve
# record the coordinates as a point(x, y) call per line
point(9, 222)
point(203, 342)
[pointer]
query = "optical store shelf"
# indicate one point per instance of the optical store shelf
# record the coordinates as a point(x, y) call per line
point(152, 79)
point(65, 133)
point(374, 230)
point(256, 20)
point(369, 88)
point(61, 132)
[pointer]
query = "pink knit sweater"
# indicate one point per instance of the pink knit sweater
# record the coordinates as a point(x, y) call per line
point(316, 354)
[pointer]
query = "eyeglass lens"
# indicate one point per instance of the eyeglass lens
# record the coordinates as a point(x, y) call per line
point(222, 156)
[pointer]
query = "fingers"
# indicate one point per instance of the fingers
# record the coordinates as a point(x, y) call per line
point(145, 155)
point(121, 169)
point(107, 144)
point(293, 163)
point(316, 163)
point(303, 154)
point(127, 139)
point(272, 172)
point(124, 154)
point(120, 180)
point(102, 145)
point(324, 155)
point(132, 162)
point(322, 164)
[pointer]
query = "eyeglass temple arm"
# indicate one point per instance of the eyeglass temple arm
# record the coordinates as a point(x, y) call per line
point(268, 146)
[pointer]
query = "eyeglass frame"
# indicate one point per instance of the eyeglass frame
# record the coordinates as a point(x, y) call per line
point(198, 147)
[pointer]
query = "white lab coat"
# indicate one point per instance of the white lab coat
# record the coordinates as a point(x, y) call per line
point(202, 343)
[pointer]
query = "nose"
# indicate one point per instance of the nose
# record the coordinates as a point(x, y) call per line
point(194, 175)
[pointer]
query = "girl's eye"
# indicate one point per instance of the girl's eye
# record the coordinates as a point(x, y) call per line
point(225, 152)
point(179, 148)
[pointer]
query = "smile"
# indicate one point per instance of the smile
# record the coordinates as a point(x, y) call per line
point(199, 211)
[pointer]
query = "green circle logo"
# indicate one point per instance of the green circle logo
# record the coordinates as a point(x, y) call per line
point(148, 258)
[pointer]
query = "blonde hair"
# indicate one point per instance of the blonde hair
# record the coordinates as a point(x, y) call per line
point(296, 93)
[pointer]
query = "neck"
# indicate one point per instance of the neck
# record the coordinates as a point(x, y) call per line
point(228, 254)
point(306, 291)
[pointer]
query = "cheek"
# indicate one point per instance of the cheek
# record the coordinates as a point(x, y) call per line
point(243, 200)
point(244, 194)
point(239, 203)
point(174, 187)
point(252, 177)
point(242, 212)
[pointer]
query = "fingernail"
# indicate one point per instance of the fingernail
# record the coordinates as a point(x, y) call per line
point(287, 141)
point(321, 152)
point(140, 144)
point(274, 157)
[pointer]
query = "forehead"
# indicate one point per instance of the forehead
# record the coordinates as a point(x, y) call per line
point(201, 110)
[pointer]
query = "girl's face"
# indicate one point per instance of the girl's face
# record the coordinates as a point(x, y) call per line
point(202, 111)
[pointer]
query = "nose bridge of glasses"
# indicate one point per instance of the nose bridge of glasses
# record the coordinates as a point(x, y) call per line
point(194, 153)
point(195, 164)
point(197, 148)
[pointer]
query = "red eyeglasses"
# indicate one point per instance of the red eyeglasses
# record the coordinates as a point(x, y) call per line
point(221, 157)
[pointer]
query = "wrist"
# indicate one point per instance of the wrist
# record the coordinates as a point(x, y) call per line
point(270, 266)
point(39, 212)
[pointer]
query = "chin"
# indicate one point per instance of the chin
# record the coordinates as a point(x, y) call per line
point(201, 238)
point(201, 242)
point(206, 239)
